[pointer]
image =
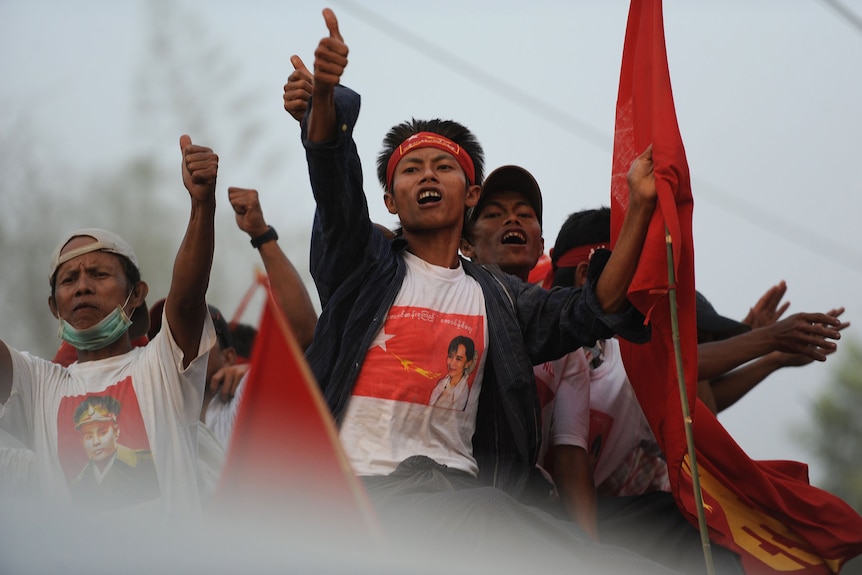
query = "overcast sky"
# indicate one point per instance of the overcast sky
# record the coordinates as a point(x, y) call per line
point(767, 94)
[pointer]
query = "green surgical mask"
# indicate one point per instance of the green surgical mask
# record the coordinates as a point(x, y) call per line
point(101, 335)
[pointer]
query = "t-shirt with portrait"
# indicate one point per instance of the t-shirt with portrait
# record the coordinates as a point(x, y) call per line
point(101, 428)
point(391, 415)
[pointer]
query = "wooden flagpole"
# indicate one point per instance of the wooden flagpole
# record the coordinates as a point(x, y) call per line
point(686, 412)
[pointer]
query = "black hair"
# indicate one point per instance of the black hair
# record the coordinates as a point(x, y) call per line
point(243, 339)
point(222, 330)
point(580, 229)
point(469, 346)
point(446, 128)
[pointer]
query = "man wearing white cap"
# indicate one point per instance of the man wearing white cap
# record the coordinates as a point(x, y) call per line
point(95, 288)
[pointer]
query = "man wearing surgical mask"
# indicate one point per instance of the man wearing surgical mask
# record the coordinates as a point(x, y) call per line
point(96, 290)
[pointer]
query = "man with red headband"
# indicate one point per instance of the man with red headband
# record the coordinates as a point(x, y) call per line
point(391, 307)
point(635, 508)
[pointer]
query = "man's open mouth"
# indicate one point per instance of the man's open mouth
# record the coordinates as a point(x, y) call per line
point(514, 237)
point(429, 196)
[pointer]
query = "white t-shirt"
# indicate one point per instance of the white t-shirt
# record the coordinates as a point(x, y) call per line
point(17, 474)
point(157, 405)
point(211, 457)
point(564, 394)
point(390, 416)
point(220, 416)
point(621, 441)
point(451, 395)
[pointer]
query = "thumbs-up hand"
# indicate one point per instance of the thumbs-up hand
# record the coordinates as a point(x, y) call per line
point(200, 168)
point(330, 58)
point(297, 91)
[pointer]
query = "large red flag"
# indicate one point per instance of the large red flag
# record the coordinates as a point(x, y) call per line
point(285, 459)
point(765, 511)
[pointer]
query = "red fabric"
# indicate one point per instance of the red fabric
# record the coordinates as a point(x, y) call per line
point(766, 511)
point(430, 140)
point(261, 280)
point(285, 448)
point(578, 255)
point(540, 270)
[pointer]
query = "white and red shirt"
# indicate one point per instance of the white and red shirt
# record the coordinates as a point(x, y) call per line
point(626, 457)
point(159, 407)
point(564, 395)
point(391, 415)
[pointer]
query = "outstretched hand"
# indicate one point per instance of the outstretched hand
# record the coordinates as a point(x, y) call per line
point(800, 359)
point(330, 58)
point(808, 334)
point(200, 168)
point(297, 91)
point(249, 214)
point(767, 311)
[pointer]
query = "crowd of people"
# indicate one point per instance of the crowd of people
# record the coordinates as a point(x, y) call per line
point(478, 408)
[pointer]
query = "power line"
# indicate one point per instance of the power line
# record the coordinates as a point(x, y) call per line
point(823, 246)
point(500, 88)
point(763, 218)
point(852, 18)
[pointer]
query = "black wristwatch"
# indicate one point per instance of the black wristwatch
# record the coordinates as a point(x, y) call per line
point(267, 236)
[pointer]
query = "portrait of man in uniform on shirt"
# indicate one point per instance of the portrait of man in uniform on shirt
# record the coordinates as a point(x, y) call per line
point(115, 475)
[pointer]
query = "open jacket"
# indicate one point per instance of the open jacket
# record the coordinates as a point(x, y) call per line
point(358, 273)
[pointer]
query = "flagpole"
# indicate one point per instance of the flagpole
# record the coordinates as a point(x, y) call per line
point(260, 280)
point(686, 412)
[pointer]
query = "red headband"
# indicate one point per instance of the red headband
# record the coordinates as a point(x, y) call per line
point(571, 259)
point(430, 140)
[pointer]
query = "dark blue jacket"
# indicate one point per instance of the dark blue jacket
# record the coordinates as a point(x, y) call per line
point(358, 272)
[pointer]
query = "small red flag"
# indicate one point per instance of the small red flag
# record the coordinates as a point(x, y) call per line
point(285, 458)
point(765, 511)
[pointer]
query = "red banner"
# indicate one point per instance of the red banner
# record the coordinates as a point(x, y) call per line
point(765, 511)
point(285, 455)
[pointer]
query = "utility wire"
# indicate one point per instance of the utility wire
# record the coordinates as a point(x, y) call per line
point(761, 218)
point(476, 74)
point(852, 18)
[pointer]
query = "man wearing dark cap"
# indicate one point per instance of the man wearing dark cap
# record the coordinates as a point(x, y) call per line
point(509, 192)
point(598, 433)
point(96, 288)
point(505, 230)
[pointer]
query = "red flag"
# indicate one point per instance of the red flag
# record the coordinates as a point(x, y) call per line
point(260, 281)
point(285, 454)
point(765, 511)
